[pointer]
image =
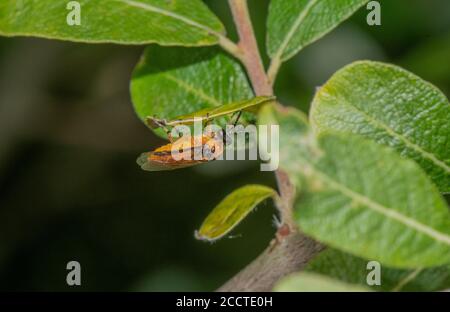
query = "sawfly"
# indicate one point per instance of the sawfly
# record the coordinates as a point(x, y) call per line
point(190, 150)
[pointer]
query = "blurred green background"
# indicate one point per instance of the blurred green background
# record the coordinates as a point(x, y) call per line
point(69, 185)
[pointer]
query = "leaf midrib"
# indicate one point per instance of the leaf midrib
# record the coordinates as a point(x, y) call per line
point(193, 90)
point(379, 124)
point(155, 9)
point(255, 200)
point(377, 207)
point(278, 55)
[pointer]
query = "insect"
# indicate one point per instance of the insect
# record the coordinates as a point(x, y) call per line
point(185, 152)
point(189, 150)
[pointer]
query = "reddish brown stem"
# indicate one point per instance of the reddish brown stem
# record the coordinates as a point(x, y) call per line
point(290, 250)
point(249, 47)
point(282, 257)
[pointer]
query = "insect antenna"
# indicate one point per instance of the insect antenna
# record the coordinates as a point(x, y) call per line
point(237, 118)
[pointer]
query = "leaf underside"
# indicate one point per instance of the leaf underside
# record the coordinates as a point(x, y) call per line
point(232, 210)
point(169, 82)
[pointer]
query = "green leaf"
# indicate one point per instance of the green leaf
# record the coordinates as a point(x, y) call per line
point(292, 25)
point(208, 114)
point(393, 107)
point(175, 22)
point(232, 210)
point(169, 82)
point(293, 123)
point(310, 282)
point(294, 131)
point(363, 198)
point(353, 270)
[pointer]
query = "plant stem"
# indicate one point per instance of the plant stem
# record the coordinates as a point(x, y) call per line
point(281, 258)
point(251, 57)
point(290, 250)
point(287, 253)
point(273, 70)
point(231, 47)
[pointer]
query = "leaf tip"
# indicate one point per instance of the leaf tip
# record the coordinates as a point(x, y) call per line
point(201, 236)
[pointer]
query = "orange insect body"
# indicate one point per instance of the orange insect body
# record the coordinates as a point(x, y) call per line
point(185, 152)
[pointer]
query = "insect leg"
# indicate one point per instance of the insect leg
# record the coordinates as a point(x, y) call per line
point(207, 120)
point(237, 118)
point(163, 126)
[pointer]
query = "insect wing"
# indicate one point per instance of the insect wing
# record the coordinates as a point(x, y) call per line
point(185, 152)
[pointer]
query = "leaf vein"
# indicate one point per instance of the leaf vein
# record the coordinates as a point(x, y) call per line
point(377, 123)
point(155, 9)
point(294, 28)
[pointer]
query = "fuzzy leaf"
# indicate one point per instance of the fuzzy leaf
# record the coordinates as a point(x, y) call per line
point(174, 22)
point(294, 24)
point(363, 198)
point(232, 210)
point(392, 106)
